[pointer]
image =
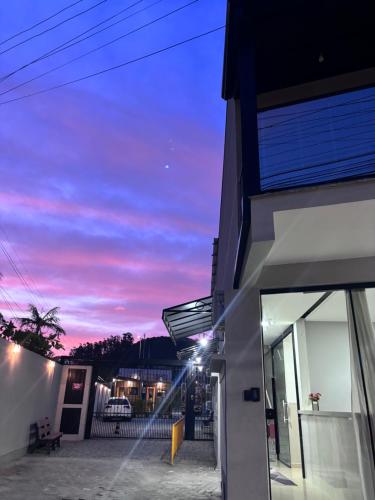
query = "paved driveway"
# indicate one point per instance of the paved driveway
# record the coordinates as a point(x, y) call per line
point(114, 469)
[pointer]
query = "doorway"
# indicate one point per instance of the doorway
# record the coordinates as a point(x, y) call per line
point(317, 373)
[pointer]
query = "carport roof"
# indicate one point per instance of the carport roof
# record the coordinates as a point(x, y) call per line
point(191, 318)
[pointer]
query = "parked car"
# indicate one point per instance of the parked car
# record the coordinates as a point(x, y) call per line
point(117, 408)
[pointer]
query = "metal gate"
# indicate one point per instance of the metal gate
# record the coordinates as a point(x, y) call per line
point(108, 420)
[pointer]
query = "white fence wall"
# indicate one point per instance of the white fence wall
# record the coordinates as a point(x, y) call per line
point(29, 386)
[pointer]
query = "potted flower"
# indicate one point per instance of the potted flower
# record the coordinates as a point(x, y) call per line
point(314, 397)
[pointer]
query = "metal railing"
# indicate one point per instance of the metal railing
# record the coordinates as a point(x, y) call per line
point(147, 425)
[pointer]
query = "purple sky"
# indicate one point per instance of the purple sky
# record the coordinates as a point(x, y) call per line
point(111, 187)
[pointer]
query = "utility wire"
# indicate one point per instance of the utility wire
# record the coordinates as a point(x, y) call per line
point(81, 56)
point(33, 287)
point(315, 165)
point(65, 45)
point(305, 178)
point(53, 27)
point(8, 299)
point(316, 123)
point(112, 68)
point(269, 114)
point(306, 146)
point(312, 112)
point(18, 272)
point(40, 22)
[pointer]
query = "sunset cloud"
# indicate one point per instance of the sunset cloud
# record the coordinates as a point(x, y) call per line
point(89, 213)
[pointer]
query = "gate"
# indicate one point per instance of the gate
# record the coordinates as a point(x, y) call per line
point(139, 421)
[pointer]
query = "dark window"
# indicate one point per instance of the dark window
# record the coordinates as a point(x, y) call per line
point(75, 386)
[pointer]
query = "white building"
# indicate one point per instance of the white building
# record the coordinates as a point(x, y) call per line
point(296, 253)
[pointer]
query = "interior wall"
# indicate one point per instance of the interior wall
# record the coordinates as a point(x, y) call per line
point(28, 392)
point(329, 364)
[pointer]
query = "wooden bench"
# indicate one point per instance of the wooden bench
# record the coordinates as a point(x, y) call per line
point(45, 437)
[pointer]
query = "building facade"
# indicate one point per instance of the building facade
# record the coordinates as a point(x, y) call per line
point(295, 258)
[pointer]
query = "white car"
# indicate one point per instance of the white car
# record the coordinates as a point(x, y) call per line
point(117, 408)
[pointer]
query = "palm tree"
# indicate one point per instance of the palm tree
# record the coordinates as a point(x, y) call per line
point(37, 322)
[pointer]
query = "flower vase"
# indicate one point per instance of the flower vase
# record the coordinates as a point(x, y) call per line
point(315, 405)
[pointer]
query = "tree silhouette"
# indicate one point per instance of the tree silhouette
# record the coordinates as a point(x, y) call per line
point(39, 333)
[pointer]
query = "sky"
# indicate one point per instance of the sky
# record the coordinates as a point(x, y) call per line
point(110, 187)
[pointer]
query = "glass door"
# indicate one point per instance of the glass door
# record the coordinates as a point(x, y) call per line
point(282, 414)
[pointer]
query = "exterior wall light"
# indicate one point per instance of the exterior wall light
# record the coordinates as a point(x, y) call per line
point(203, 341)
point(16, 348)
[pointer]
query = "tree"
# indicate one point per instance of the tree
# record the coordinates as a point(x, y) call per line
point(109, 353)
point(39, 333)
point(112, 348)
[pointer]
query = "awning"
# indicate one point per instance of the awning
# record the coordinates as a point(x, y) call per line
point(188, 319)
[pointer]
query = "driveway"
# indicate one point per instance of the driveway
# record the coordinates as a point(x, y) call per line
point(114, 469)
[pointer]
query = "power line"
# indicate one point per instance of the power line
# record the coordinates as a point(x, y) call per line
point(53, 27)
point(81, 56)
point(323, 164)
point(294, 128)
point(306, 146)
point(312, 112)
point(33, 288)
point(112, 68)
point(7, 298)
point(18, 272)
point(358, 169)
point(40, 22)
point(64, 46)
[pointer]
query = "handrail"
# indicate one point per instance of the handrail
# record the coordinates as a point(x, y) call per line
point(177, 437)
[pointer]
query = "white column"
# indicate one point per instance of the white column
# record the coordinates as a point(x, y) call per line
point(246, 453)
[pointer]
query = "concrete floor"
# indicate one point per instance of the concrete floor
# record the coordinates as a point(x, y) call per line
point(113, 469)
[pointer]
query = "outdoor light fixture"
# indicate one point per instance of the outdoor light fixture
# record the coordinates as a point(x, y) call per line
point(198, 359)
point(200, 368)
point(51, 364)
point(16, 348)
point(113, 380)
point(203, 341)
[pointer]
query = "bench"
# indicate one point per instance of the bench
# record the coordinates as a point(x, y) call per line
point(45, 437)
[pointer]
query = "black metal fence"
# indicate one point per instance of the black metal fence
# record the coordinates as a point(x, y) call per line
point(148, 425)
point(118, 417)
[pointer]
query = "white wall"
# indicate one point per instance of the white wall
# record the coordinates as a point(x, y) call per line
point(29, 387)
point(329, 364)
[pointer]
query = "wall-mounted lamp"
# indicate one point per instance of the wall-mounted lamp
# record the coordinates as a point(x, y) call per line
point(16, 348)
point(203, 341)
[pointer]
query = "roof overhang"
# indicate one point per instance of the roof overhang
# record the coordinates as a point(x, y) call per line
point(190, 318)
point(298, 45)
